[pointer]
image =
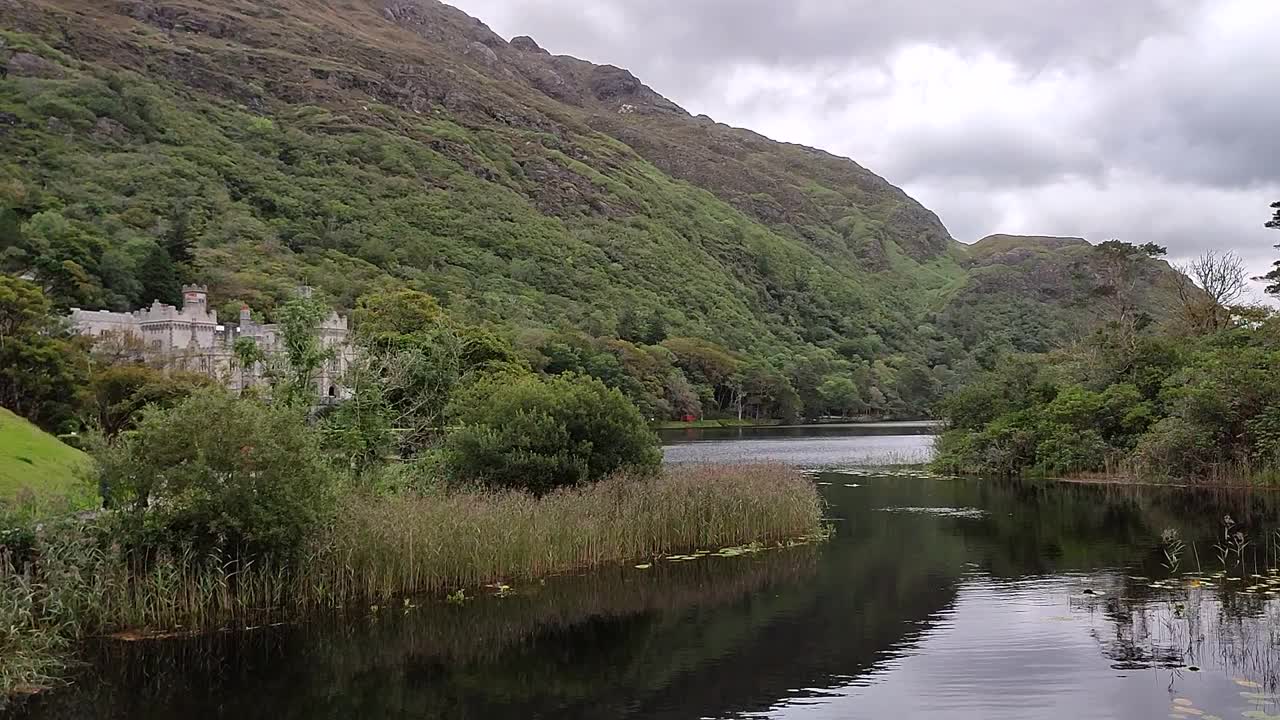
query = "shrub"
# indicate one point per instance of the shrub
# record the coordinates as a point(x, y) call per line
point(216, 471)
point(1176, 447)
point(1068, 449)
point(537, 433)
point(1264, 435)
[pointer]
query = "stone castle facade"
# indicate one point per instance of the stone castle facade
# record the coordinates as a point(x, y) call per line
point(191, 338)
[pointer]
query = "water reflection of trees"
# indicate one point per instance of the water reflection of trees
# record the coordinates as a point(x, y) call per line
point(704, 638)
point(429, 661)
point(1203, 628)
point(1191, 620)
point(714, 637)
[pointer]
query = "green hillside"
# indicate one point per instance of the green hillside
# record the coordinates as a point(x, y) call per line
point(355, 146)
point(38, 471)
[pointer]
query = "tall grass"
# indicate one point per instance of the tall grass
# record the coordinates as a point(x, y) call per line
point(378, 546)
point(1235, 472)
point(405, 543)
point(32, 641)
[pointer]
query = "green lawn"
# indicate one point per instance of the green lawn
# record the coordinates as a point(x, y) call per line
point(40, 474)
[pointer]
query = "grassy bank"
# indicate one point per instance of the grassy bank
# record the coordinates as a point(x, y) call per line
point(382, 547)
point(39, 474)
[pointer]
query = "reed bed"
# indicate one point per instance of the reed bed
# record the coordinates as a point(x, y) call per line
point(378, 547)
point(31, 642)
point(423, 544)
point(455, 636)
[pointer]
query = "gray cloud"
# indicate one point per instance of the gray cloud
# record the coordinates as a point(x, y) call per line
point(801, 32)
point(1148, 120)
point(992, 153)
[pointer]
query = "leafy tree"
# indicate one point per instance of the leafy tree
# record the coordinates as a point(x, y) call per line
point(708, 365)
point(760, 391)
point(177, 240)
point(842, 394)
point(294, 371)
point(917, 386)
point(655, 330)
point(43, 368)
point(536, 433)
point(249, 355)
point(630, 326)
point(215, 471)
point(393, 316)
point(120, 392)
point(64, 258)
point(682, 396)
point(1120, 273)
point(361, 429)
point(415, 359)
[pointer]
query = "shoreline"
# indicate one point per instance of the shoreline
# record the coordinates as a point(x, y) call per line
point(1133, 481)
point(779, 425)
point(382, 550)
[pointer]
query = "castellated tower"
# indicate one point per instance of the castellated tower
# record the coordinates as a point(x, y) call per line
point(195, 298)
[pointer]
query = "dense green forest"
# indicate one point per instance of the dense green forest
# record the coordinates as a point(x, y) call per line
point(1196, 398)
point(701, 269)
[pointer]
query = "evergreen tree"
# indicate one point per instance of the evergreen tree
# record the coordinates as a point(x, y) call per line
point(630, 327)
point(178, 240)
point(159, 277)
point(1273, 277)
point(655, 330)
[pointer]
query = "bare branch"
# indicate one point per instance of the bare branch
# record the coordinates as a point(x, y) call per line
point(1208, 287)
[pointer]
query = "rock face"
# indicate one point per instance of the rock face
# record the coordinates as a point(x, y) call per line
point(524, 43)
point(483, 52)
point(25, 64)
point(106, 129)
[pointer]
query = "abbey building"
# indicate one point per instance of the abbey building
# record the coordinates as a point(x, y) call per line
point(191, 338)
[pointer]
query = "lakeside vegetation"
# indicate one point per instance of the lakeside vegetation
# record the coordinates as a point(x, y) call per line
point(1196, 398)
point(452, 465)
point(370, 550)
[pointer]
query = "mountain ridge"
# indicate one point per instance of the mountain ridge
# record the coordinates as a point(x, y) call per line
point(358, 145)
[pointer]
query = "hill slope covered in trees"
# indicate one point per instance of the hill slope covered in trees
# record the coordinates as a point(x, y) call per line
point(373, 145)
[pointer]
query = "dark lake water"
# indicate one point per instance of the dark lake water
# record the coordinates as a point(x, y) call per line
point(936, 597)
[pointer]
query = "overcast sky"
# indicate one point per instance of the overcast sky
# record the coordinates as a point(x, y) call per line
point(1144, 120)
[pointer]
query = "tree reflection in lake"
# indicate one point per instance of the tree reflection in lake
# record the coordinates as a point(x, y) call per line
point(1037, 604)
